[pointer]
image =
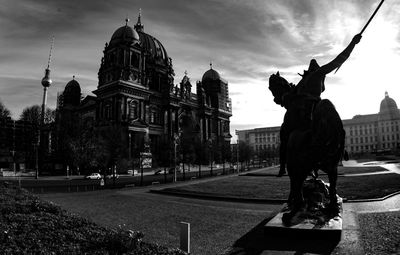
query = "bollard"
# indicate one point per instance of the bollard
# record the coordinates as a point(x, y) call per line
point(185, 237)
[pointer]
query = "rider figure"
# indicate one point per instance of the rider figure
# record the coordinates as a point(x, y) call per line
point(305, 95)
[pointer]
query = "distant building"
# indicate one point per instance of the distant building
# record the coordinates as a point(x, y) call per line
point(261, 139)
point(374, 133)
point(365, 134)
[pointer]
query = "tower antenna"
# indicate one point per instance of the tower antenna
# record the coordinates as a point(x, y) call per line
point(51, 49)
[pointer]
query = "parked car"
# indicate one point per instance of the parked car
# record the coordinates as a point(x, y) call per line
point(160, 171)
point(132, 172)
point(93, 176)
point(110, 176)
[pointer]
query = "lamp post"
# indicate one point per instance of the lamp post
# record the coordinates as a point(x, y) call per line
point(237, 151)
point(210, 149)
point(176, 141)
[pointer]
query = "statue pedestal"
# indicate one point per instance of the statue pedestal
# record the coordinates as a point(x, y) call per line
point(306, 225)
point(311, 229)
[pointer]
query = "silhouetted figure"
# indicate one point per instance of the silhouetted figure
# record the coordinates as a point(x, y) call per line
point(305, 96)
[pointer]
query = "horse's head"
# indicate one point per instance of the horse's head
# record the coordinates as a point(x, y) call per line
point(278, 86)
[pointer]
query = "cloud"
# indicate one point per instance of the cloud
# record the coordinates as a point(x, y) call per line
point(245, 40)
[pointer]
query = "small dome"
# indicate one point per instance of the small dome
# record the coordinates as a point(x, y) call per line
point(388, 105)
point(72, 93)
point(211, 75)
point(72, 86)
point(124, 34)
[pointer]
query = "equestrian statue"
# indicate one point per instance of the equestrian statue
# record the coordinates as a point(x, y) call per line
point(312, 135)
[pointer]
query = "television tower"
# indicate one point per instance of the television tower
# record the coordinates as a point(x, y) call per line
point(46, 82)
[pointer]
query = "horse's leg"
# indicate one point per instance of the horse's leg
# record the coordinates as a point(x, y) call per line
point(290, 198)
point(332, 175)
point(296, 198)
point(284, 134)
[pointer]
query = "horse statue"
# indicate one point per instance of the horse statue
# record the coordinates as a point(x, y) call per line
point(315, 142)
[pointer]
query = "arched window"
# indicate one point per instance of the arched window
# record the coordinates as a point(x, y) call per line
point(107, 111)
point(133, 110)
point(154, 116)
point(134, 60)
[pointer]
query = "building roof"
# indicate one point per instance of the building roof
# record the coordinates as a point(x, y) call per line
point(211, 74)
point(124, 34)
point(389, 107)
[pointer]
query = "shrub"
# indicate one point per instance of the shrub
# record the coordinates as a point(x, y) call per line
point(30, 225)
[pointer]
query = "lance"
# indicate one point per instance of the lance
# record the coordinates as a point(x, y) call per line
point(369, 21)
point(372, 16)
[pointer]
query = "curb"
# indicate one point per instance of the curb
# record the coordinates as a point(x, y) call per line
point(255, 200)
point(220, 198)
point(371, 199)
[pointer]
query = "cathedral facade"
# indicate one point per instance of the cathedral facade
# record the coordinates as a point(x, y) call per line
point(136, 97)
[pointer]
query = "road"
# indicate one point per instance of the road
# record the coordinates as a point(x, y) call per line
point(46, 184)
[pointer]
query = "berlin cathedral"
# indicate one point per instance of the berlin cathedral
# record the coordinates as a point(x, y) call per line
point(137, 98)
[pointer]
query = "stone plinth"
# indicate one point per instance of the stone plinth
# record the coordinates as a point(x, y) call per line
point(313, 229)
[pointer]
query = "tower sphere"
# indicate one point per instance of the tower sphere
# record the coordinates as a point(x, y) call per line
point(46, 81)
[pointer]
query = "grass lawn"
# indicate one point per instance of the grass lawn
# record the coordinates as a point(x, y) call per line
point(214, 225)
point(267, 187)
point(341, 170)
point(380, 232)
point(30, 225)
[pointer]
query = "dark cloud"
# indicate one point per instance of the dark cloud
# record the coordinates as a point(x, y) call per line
point(245, 40)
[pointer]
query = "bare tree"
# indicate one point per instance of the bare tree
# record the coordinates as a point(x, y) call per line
point(33, 113)
point(4, 112)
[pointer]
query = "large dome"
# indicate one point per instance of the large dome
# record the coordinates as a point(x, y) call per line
point(129, 35)
point(211, 75)
point(152, 46)
point(124, 34)
point(388, 105)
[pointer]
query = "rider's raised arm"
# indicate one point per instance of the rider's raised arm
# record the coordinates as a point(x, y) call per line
point(341, 58)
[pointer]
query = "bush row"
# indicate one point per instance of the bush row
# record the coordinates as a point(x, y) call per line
point(29, 225)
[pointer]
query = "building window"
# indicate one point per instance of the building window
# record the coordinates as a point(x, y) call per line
point(154, 116)
point(134, 60)
point(133, 110)
point(107, 112)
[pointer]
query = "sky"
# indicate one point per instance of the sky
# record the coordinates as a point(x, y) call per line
point(246, 41)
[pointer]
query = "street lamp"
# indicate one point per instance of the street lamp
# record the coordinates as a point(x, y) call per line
point(237, 151)
point(176, 141)
point(210, 149)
